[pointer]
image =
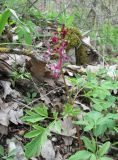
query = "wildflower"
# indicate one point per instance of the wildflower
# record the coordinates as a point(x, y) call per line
point(56, 68)
point(60, 51)
point(55, 39)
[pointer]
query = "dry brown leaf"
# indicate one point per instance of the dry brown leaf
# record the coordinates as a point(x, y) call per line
point(10, 112)
point(50, 82)
point(38, 68)
point(68, 127)
point(95, 68)
point(12, 59)
point(112, 71)
point(45, 98)
point(3, 130)
point(47, 151)
point(87, 41)
point(8, 90)
point(76, 69)
point(83, 106)
point(69, 130)
point(58, 156)
point(14, 144)
point(4, 118)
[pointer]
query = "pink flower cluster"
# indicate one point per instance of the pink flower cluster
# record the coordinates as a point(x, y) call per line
point(60, 51)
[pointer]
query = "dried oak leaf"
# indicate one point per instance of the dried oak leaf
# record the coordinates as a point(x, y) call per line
point(9, 112)
point(38, 68)
point(8, 90)
point(47, 151)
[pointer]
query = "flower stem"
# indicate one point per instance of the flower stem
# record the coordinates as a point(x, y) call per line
point(66, 87)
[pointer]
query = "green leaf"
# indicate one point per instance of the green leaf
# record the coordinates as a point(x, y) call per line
point(58, 126)
point(3, 20)
point(70, 20)
point(24, 34)
point(1, 150)
point(104, 149)
point(31, 26)
point(0, 16)
point(30, 113)
point(41, 110)
point(100, 129)
point(110, 124)
point(93, 144)
point(70, 110)
point(28, 38)
point(87, 122)
point(81, 155)
point(34, 94)
point(12, 153)
point(116, 129)
point(14, 14)
point(93, 157)
point(55, 115)
point(113, 116)
point(37, 127)
point(109, 85)
point(33, 118)
point(80, 122)
point(106, 158)
point(88, 144)
point(26, 29)
point(44, 136)
point(95, 116)
point(33, 148)
point(32, 134)
point(89, 127)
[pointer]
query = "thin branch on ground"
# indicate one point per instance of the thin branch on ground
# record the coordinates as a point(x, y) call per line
point(31, 103)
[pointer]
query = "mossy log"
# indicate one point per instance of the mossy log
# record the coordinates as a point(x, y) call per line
point(83, 52)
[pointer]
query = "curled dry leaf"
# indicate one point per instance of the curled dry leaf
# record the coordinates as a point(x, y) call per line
point(8, 90)
point(15, 145)
point(44, 97)
point(9, 112)
point(111, 71)
point(58, 156)
point(38, 68)
point(12, 59)
point(76, 69)
point(83, 106)
point(87, 41)
point(68, 127)
point(94, 69)
point(68, 130)
point(3, 130)
point(50, 82)
point(47, 151)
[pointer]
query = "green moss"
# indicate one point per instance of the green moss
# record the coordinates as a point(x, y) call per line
point(74, 38)
point(82, 56)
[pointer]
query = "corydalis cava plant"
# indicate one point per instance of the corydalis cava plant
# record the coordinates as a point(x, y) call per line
point(59, 50)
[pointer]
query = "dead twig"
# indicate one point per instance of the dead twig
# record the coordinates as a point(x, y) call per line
point(45, 95)
point(21, 103)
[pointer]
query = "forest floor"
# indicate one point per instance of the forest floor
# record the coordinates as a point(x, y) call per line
point(26, 83)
